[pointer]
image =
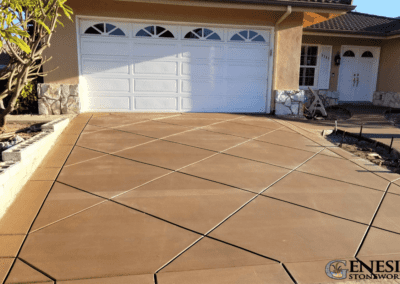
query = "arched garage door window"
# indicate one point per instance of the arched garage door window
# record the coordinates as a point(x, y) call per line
point(202, 34)
point(104, 29)
point(248, 36)
point(155, 32)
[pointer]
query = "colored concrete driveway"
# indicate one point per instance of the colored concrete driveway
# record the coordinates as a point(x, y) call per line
point(195, 198)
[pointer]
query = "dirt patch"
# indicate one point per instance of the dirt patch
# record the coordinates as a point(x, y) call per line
point(334, 113)
point(393, 117)
point(366, 150)
point(23, 130)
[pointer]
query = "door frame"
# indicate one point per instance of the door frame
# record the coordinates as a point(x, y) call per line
point(271, 46)
point(376, 51)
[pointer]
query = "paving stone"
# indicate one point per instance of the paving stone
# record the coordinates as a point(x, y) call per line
point(189, 121)
point(313, 272)
point(79, 155)
point(259, 121)
point(134, 279)
point(299, 234)
point(271, 154)
point(56, 156)
point(5, 265)
point(23, 273)
point(111, 141)
point(23, 210)
point(49, 174)
point(238, 129)
point(62, 202)
point(333, 197)
point(213, 254)
point(289, 139)
point(108, 176)
point(273, 273)
point(166, 154)
point(380, 242)
point(10, 245)
point(219, 116)
point(106, 240)
point(207, 140)
point(67, 139)
point(154, 129)
point(388, 216)
point(115, 120)
point(242, 173)
point(394, 188)
point(92, 128)
point(191, 202)
point(343, 170)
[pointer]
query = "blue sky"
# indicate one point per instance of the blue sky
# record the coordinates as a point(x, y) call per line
point(387, 8)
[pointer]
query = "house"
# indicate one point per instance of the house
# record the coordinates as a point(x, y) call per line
point(358, 59)
point(193, 56)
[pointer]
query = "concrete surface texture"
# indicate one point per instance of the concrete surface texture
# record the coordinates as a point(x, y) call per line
point(198, 198)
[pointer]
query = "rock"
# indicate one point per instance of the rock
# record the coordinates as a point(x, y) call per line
point(5, 145)
point(295, 109)
point(288, 102)
point(51, 91)
point(56, 107)
point(17, 139)
point(43, 106)
point(73, 105)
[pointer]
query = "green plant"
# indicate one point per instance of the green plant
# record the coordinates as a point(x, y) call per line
point(27, 102)
point(26, 28)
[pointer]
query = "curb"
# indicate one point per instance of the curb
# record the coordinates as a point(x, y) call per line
point(21, 161)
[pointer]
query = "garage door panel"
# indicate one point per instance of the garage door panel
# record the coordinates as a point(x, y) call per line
point(209, 87)
point(139, 73)
point(247, 53)
point(203, 52)
point(245, 87)
point(202, 70)
point(154, 85)
point(109, 103)
point(157, 103)
point(247, 71)
point(106, 48)
point(155, 50)
point(156, 68)
point(108, 84)
point(104, 67)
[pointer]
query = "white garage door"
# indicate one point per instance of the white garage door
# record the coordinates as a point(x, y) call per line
point(142, 67)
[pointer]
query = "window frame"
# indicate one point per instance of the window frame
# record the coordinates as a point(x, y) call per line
point(316, 68)
point(104, 33)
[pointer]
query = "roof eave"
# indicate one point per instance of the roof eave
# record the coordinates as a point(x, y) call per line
point(343, 32)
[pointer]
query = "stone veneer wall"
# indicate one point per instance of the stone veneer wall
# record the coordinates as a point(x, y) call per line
point(387, 99)
point(329, 98)
point(289, 102)
point(58, 99)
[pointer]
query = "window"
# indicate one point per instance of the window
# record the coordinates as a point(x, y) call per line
point(248, 36)
point(349, 53)
point(155, 31)
point(308, 64)
point(203, 34)
point(104, 29)
point(367, 54)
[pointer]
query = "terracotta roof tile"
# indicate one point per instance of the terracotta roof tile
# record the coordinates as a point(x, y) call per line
point(359, 23)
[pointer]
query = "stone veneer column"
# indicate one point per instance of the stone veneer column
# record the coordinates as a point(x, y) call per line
point(58, 99)
point(289, 102)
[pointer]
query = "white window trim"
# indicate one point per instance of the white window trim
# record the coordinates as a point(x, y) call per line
point(315, 86)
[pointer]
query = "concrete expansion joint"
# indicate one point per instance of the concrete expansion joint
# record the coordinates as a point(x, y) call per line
point(372, 220)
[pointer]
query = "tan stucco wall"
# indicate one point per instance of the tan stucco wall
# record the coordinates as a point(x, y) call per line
point(288, 51)
point(389, 68)
point(337, 43)
point(64, 42)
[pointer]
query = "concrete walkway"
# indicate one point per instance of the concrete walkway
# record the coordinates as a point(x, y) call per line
point(197, 198)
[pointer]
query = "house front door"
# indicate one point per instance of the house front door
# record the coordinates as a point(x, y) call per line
point(358, 73)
